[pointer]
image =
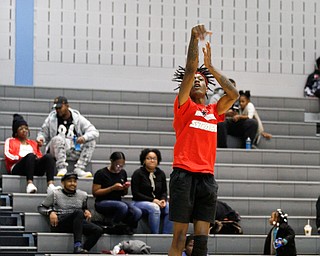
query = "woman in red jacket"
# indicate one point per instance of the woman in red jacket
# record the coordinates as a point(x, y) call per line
point(23, 156)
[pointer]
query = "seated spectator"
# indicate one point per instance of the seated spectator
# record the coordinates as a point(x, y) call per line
point(109, 185)
point(280, 239)
point(312, 87)
point(245, 124)
point(68, 212)
point(23, 156)
point(149, 190)
point(189, 246)
point(69, 136)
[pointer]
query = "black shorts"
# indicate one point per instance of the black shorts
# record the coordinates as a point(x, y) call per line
point(193, 196)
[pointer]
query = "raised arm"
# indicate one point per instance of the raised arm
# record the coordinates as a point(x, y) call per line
point(231, 93)
point(198, 32)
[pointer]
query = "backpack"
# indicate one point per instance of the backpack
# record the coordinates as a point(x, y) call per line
point(226, 227)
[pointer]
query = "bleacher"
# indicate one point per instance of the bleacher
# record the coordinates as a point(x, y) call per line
point(282, 173)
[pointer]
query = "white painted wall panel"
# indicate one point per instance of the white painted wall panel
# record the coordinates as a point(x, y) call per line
point(108, 33)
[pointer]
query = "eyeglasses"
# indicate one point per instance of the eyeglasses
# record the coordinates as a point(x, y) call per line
point(118, 166)
point(151, 158)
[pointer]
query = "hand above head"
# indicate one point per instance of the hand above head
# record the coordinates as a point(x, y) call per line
point(207, 55)
point(200, 32)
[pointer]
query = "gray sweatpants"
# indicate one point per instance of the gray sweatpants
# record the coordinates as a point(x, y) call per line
point(63, 150)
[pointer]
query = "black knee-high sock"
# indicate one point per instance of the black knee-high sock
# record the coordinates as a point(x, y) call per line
point(200, 246)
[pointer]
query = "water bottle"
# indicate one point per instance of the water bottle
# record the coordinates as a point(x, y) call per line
point(248, 143)
point(116, 249)
point(76, 145)
point(307, 229)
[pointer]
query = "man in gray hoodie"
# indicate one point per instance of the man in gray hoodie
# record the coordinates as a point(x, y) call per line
point(68, 136)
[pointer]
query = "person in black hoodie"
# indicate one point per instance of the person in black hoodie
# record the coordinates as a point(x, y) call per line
point(280, 240)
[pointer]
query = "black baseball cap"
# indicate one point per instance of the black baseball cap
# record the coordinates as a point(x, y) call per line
point(69, 175)
point(57, 103)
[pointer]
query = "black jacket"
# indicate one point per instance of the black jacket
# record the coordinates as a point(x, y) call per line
point(285, 232)
point(141, 185)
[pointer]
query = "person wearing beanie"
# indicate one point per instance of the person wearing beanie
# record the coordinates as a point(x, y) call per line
point(69, 137)
point(312, 87)
point(23, 156)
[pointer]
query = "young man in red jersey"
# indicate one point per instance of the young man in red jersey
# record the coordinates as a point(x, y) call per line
point(193, 190)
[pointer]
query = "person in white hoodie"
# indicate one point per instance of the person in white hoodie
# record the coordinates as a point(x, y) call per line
point(68, 136)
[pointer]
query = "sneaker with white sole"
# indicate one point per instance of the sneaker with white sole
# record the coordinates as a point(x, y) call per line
point(31, 188)
point(61, 172)
point(52, 187)
point(82, 173)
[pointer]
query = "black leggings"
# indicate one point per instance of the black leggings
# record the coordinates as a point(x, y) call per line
point(30, 165)
point(243, 129)
point(75, 223)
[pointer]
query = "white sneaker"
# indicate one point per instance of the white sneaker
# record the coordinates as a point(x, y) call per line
point(52, 187)
point(31, 188)
point(82, 173)
point(61, 172)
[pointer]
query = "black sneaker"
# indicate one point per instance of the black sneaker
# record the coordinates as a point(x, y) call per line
point(79, 249)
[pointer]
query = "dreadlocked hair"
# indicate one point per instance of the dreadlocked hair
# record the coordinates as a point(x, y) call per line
point(179, 74)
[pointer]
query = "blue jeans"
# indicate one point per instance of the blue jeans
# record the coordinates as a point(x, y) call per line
point(119, 211)
point(155, 213)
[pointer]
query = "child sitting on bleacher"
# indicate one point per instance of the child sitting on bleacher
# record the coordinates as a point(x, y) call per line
point(23, 156)
point(280, 240)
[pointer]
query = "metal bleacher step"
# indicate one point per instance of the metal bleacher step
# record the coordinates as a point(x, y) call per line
point(251, 224)
point(217, 244)
point(109, 122)
point(17, 241)
point(10, 221)
point(223, 170)
point(151, 138)
point(6, 204)
point(135, 109)
point(48, 93)
point(227, 187)
point(282, 173)
point(240, 156)
point(22, 202)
